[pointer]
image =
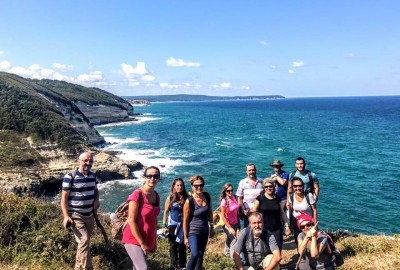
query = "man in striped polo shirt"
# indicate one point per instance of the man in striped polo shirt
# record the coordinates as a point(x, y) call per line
point(79, 198)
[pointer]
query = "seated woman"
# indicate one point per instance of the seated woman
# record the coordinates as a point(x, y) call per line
point(301, 202)
point(268, 204)
point(173, 223)
point(229, 214)
point(314, 245)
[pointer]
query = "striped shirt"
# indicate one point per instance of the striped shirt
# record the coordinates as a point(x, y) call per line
point(82, 192)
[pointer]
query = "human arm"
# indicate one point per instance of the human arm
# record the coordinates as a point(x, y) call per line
point(282, 181)
point(132, 216)
point(289, 192)
point(211, 219)
point(96, 202)
point(284, 219)
point(64, 208)
point(238, 261)
point(315, 212)
point(224, 211)
point(186, 212)
point(316, 191)
point(240, 203)
point(276, 258)
point(317, 246)
point(165, 216)
point(256, 205)
point(238, 248)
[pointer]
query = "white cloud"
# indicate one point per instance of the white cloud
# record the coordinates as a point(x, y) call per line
point(94, 76)
point(297, 64)
point(172, 62)
point(272, 66)
point(148, 78)
point(1, 52)
point(62, 67)
point(291, 71)
point(5, 65)
point(169, 86)
point(222, 85)
point(131, 72)
point(245, 87)
point(264, 43)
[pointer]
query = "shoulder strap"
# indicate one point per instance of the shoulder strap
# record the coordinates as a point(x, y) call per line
point(311, 180)
point(247, 233)
point(208, 197)
point(292, 174)
point(73, 174)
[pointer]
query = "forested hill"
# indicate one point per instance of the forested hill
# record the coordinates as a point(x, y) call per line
point(40, 116)
point(165, 98)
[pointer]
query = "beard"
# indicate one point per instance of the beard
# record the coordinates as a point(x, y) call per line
point(257, 232)
point(86, 168)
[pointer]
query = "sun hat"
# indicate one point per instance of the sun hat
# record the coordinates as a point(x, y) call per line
point(276, 162)
point(303, 217)
point(268, 181)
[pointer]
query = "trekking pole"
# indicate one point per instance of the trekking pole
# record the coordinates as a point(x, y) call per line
point(104, 233)
point(304, 250)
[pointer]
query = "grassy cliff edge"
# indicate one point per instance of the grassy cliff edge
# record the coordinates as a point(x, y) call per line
point(32, 237)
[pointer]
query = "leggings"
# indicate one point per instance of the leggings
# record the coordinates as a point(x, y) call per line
point(137, 256)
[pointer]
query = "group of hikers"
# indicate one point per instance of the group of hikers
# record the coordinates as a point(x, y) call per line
point(270, 208)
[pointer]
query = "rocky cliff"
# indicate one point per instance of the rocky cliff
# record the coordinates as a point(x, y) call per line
point(44, 124)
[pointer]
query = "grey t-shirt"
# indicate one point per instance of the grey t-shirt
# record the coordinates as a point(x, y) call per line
point(256, 248)
point(323, 259)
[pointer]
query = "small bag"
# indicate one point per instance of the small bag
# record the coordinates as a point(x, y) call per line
point(119, 220)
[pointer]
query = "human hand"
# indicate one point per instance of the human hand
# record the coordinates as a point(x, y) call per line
point(96, 204)
point(287, 230)
point(165, 231)
point(67, 222)
point(145, 248)
point(232, 231)
point(186, 241)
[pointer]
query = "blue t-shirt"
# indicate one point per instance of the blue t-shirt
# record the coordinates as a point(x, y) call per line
point(281, 191)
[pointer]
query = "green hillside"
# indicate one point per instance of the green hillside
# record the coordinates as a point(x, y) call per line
point(25, 110)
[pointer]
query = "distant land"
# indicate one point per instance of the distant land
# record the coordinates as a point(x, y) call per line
point(182, 97)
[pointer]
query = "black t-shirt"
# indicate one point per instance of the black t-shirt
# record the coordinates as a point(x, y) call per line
point(270, 209)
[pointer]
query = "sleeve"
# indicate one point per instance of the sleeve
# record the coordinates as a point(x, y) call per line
point(239, 191)
point(272, 242)
point(241, 241)
point(311, 198)
point(300, 237)
point(314, 176)
point(322, 240)
point(285, 176)
point(259, 198)
point(223, 203)
point(134, 196)
point(67, 182)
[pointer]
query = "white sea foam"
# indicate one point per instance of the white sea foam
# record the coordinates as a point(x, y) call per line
point(280, 150)
point(126, 182)
point(150, 157)
point(120, 141)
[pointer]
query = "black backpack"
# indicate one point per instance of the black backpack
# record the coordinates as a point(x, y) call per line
point(333, 251)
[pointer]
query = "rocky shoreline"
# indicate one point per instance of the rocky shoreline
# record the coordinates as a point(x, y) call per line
point(47, 180)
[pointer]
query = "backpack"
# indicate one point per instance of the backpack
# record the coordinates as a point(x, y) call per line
point(120, 217)
point(333, 251)
point(309, 174)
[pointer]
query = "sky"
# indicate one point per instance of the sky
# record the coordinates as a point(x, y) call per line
point(222, 48)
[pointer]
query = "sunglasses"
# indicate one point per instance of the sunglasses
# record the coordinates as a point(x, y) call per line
point(229, 190)
point(198, 186)
point(309, 224)
point(87, 160)
point(268, 186)
point(154, 176)
point(299, 186)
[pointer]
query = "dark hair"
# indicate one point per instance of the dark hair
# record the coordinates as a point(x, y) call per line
point(251, 164)
point(223, 190)
point(180, 197)
point(300, 158)
point(297, 179)
point(149, 168)
point(195, 178)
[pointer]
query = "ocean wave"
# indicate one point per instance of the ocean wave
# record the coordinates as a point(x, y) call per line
point(119, 141)
point(125, 182)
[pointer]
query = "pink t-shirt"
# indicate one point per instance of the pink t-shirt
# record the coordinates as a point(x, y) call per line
point(232, 212)
point(146, 221)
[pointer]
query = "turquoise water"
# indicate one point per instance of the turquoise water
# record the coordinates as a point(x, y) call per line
point(351, 143)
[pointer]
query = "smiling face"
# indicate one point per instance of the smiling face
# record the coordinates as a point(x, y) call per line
point(298, 186)
point(251, 171)
point(256, 224)
point(229, 191)
point(269, 188)
point(85, 162)
point(300, 165)
point(198, 186)
point(305, 226)
point(178, 187)
point(151, 177)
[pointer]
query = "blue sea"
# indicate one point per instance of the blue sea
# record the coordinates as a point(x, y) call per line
point(351, 143)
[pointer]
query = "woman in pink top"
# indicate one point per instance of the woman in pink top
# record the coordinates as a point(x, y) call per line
point(229, 213)
point(140, 233)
